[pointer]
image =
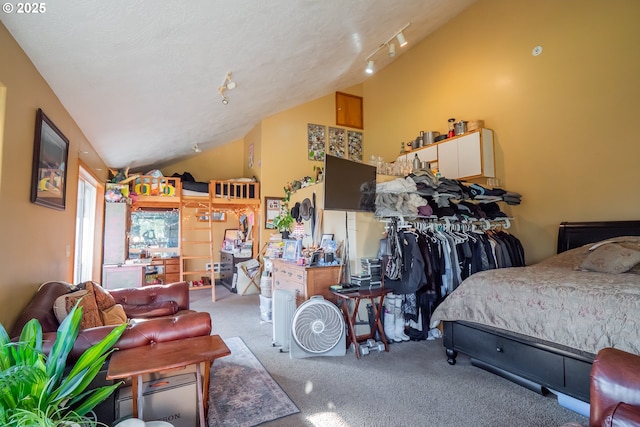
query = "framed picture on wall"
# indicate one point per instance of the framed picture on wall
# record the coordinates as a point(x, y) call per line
point(336, 142)
point(354, 139)
point(272, 207)
point(316, 139)
point(49, 168)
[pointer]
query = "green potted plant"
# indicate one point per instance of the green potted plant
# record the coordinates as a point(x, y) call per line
point(34, 388)
point(283, 223)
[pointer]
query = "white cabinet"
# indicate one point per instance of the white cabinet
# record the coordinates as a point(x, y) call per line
point(467, 156)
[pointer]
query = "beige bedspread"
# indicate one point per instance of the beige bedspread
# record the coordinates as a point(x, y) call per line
point(553, 302)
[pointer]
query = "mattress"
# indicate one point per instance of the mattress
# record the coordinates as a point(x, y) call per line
point(553, 301)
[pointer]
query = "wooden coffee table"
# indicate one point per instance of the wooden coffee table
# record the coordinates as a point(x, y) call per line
point(135, 362)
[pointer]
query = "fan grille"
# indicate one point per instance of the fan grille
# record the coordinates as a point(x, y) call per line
point(317, 326)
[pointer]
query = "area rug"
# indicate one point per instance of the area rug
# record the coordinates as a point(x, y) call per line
point(242, 393)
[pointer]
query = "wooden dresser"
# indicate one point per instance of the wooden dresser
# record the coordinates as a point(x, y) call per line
point(167, 270)
point(304, 281)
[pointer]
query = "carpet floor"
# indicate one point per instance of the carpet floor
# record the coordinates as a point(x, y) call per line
point(242, 393)
point(411, 385)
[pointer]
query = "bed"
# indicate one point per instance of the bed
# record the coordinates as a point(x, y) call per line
point(541, 326)
point(162, 191)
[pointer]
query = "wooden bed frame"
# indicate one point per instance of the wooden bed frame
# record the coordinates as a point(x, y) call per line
point(538, 365)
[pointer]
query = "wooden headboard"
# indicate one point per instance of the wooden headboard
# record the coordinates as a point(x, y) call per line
point(575, 234)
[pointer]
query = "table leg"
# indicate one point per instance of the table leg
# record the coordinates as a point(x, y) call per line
point(352, 331)
point(200, 397)
point(205, 383)
point(136, 397)
point(376, 321)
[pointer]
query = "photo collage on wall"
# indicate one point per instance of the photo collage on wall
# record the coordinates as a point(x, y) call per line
point(340, 143)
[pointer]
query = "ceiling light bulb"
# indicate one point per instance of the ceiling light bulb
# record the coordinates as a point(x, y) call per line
point(369, 69)
point(401, 40)
point(225, 100)
point(392, 50)
point(231, 85)
point(196, 148)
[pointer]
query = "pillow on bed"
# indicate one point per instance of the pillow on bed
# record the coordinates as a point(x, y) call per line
point(611, 258)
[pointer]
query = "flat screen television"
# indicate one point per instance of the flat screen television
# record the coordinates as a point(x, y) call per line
point(349, 185)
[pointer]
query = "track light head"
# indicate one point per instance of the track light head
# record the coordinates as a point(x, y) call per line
point(392, 50)
point(225, 100)
point(401, 40)
point(196, 148)
point(369, 69)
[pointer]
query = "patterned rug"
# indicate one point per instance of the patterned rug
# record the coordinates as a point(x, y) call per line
point(242, 393)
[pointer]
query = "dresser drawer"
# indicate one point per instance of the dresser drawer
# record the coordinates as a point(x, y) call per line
point(292, 273)
point(280, 282)
point(171, 278)
point(172, 268)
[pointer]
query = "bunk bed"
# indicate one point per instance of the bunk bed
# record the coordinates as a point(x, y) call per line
point(151, 191)
point(202, 201)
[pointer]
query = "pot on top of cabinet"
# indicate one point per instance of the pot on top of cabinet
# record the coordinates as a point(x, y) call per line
point(460, 127)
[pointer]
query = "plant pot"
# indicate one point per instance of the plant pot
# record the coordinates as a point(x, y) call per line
point(285, 235)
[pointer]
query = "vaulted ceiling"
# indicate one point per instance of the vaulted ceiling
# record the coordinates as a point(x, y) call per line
point(142, 78)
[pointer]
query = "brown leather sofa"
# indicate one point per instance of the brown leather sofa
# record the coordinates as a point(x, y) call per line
point(147, 306)
point(615, 389)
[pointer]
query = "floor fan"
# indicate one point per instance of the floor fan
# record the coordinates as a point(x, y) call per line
point(317, 329)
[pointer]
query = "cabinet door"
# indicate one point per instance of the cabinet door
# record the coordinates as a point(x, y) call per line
point(448, 159)
point(428, 154)
point(469, 156)
point(475, 155)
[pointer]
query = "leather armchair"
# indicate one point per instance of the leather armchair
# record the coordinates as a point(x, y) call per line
point(147, 307)
point(615, 389)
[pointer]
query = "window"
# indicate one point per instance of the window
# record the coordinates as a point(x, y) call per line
point(85, 227)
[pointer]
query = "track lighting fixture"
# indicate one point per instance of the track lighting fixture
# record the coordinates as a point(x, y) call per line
point(392, 50)
point(389, 44)
point(196, 148)
point(369, 69)
point(401, 40)
point(226, 85)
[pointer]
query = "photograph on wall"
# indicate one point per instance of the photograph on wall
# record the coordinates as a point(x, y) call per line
point(272, 208)
point(355, 145)
point(317, 140)
point(336, 142)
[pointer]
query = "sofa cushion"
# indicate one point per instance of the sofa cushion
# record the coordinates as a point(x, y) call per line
point(155, 309)
point(104, 300)
point(90, 313)
point(113, 315)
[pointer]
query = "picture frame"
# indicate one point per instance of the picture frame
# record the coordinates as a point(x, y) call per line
point(325, 238)
point(49, 168)
point(272, 208)
point(290, 251)
point(316, 140)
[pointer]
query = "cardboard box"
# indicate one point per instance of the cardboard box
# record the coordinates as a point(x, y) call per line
point(171, 399)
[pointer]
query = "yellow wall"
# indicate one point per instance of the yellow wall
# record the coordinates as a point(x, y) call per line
point(34, 238)
point(564, 121)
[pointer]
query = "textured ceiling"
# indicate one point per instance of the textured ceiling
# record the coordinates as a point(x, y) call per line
point(141, 78)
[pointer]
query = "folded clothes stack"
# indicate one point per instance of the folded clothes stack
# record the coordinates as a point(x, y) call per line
point(423, 194)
